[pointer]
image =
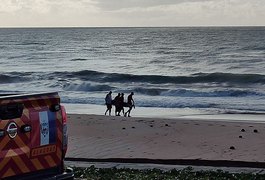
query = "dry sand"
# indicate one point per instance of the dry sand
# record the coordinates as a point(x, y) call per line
point(103, 137)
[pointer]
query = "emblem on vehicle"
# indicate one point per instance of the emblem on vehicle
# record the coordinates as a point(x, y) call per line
point(44, 129)
point(12, 130)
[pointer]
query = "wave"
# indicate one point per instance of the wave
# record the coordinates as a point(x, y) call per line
point(78, 59)
point(230, 78)
point(222, 79)
point(217, 78)
point(253, 48)
point(194, 93)
point(102, 77)
point(18, 57)
point(31, 43)
point(86, 87)
point(165, 52)
point(149, 91)
point(249, 112)
point(7, 78)
point(216, 93)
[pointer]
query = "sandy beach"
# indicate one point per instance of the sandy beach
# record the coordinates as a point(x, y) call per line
point(111, 137)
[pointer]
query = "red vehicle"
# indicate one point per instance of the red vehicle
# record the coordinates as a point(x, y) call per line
point(33, 137)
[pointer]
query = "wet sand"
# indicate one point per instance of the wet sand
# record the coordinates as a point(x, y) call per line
point(109, 137)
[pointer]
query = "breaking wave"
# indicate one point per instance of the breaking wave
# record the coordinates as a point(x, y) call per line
point(87, 87)
point(228, 78)
point(196, 93)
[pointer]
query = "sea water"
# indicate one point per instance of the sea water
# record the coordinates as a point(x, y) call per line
point(209, 69)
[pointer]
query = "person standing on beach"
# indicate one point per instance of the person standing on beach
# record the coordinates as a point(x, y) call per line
point(108, 102)
point(117, 104)
point(121, 104)
point(130, 103)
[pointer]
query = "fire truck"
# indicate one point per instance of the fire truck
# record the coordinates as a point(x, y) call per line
point(33, 137)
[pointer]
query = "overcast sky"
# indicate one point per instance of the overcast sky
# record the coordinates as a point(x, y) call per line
point(43, 13)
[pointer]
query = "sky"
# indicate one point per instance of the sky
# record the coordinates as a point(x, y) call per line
point(131, 13)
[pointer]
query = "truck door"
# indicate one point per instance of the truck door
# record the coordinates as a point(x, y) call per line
point(31, 142)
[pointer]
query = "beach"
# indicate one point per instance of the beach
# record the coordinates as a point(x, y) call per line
point(174, 140)
point(195, 88)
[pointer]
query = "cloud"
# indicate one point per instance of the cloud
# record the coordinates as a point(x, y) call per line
point(46, 12)
point(197, 13)
point(124, 4)
point(46, 6)
point(131, 12)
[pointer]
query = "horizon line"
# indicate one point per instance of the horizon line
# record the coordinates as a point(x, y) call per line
point(190, 26)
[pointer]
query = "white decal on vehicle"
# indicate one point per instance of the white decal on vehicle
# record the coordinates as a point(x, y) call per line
point(44, 128)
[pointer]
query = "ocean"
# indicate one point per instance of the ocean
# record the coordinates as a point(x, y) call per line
point(217, 70)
